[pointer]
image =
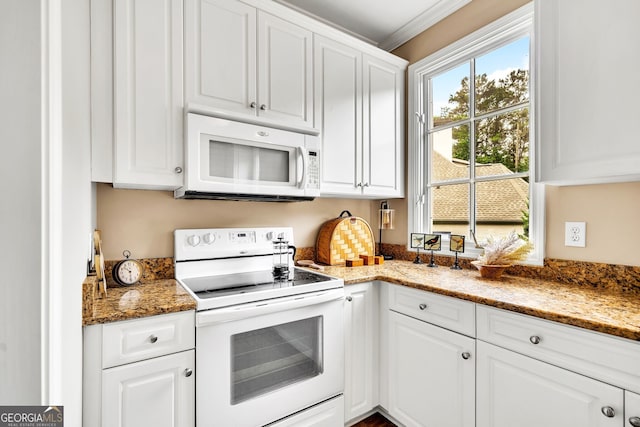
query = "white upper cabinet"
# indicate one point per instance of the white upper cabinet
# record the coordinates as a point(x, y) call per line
point(247, 64)
point(382, 136)
point(338, 95)
point(587, 98)
point(148, 95)
point(359, 102)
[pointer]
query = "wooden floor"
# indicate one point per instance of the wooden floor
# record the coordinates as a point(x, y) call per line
point(375, 420)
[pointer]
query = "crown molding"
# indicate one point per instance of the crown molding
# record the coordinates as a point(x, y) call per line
point(420, 23)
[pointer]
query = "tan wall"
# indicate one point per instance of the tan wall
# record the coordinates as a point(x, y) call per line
point(142, 221)
point(611, 211)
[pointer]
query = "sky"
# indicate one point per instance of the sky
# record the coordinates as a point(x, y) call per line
point(496, 64)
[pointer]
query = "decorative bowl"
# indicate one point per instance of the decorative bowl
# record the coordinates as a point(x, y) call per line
point(490, 271)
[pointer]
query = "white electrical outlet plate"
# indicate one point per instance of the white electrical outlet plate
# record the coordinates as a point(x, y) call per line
point(575, 234)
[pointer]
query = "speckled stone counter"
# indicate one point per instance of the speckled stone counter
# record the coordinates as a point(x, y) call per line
point(615, 312)
point(131, 302)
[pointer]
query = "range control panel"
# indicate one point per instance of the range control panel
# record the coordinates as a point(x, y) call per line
point(212, 243)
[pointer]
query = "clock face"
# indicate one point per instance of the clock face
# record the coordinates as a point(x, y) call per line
point(129, 272)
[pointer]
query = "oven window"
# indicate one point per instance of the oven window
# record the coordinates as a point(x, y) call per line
point(267, 359)
point(248, 163)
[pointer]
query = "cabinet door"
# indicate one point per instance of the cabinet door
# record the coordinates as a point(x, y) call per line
point(338, 115)
point(382, 136)
point(586, 62)
point(220, 55)
point(430, 382)
point(631, 409)
point(148, 96)
point(361, 349)
point(157, 392)
point(515, 390)
point(285, 55)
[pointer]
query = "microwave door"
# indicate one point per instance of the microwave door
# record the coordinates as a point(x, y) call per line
point(251, 167)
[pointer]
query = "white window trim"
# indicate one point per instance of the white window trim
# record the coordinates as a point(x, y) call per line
point(508, 28)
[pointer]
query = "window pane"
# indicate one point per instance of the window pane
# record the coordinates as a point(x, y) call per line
point(502, 77)
point(502, 143)
point(502, 206)
point(451, 208)
point(450, 96)
point(450, 154)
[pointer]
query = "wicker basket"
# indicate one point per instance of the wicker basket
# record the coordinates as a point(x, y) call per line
point(343, 238)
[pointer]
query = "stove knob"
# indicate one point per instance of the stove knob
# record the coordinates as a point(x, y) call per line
point(209, 238)
point(270, 235)
point(193, 240)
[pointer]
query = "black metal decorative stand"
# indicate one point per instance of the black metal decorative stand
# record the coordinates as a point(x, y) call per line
point(455, 265)
point(432, 263)
point(418, 260)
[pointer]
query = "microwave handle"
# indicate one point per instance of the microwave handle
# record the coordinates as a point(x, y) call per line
point(303, 159)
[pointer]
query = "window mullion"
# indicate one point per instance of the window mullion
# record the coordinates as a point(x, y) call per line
point(472, 148)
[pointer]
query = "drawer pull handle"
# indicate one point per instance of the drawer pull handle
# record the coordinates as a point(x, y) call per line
point(188, 372)
point(608, 411)
point(634, 421)
point(422, 306)
point(349, 298)
point(153, 339)
point(534, 339)
point(466, 355)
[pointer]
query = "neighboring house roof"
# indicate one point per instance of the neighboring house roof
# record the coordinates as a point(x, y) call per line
point(497, 201)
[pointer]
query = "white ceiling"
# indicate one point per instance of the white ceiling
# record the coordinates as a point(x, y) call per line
point(384, 23)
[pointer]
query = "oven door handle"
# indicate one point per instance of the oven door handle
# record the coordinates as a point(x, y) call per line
point(243, 311)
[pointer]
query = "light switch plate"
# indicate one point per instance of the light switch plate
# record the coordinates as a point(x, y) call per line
point(575, 234)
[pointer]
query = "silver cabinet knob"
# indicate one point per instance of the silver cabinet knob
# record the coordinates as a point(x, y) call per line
point(359, 184)
point(634, 421)
point(188, 372)
point(349, 298)
point(366, 184)
point(153, 339)
point(422, 306)
point(534, 339)
point(263, 107)
point(178, 169)
point(608, 411)
point(253, 105)
point(466, 355)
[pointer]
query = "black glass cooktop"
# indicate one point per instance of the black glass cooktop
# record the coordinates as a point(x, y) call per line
point(241, 283)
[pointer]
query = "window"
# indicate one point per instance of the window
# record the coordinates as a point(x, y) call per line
point(471, 146)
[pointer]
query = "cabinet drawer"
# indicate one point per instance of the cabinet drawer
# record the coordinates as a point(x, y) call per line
point(450, 313)
point(133, 340)
point(607, 358)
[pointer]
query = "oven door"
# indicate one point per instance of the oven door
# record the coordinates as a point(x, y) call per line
point(260, 362)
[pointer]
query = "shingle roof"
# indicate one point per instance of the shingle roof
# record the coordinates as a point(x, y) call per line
point(497, 201)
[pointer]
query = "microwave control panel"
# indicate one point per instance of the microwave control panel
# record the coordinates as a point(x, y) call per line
point(313, 176)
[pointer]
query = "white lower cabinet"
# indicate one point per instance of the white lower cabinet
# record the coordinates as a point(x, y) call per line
point(140, 372)
point(631, 409)
point(361, 349)
point(431, 375)
point(516, 390)
point(155, 392)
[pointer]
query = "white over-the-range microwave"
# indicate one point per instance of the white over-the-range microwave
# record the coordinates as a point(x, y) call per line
point(231, 160)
